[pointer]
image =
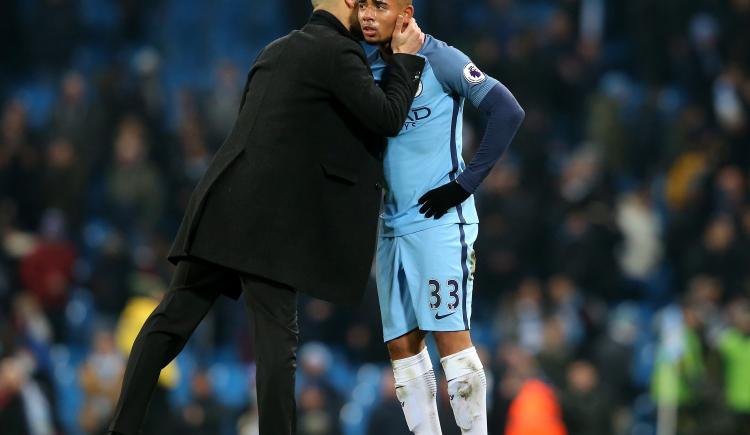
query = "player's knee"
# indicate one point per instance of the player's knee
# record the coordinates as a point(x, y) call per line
point(402, 347)
point(397, 350)
point(451, 342)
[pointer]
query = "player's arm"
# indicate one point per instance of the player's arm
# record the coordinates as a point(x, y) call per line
point(383, 109)
point(504, 116)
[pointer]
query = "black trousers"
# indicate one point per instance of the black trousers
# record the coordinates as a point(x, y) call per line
point(195, 287)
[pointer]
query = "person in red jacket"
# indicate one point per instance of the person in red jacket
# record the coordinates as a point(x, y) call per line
point(535, 411)
point(47, 270)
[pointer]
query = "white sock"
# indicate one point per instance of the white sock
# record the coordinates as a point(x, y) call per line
point(416, 388)
point(467, 388)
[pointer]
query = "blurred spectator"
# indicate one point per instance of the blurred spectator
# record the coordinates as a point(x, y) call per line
point(247, 423)
point(587, 409)
point(31, 330)
point(727, 100)
point(101, 380)
point(567, 305)
point(689, 168)
point(47, 271)
point(555, 354)
point(316, 415)
point(364, 337)
point(613, 353)
point(606, 129)
point(641, 252)
point(535, 410)
point(705, 57)
point(111, 102)
point(19, 163)
point(70, 116)
point(319, 402)
point(30, 321)
point(150, 92)
point(522, 320)
point(13, 418)
point(679, 371)
point(734, 346)
point(63, 180)
point(511, 244)
point(193, 161)
point(315, 361)
point(223, 103)
point(515, 365)
point(731, 191)
point(25, 407)
point(202, 414)
point(720, 255)
point(134, 186)
point(387, 416)
point(110, 276)
point(587, 238)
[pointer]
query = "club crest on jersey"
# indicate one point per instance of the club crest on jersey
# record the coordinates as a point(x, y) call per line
point(473, 75)
point(419, 89)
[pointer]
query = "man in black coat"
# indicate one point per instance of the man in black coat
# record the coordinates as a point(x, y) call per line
point(290, 203)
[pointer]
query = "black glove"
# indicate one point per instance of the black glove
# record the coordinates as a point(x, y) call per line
point(438, 201)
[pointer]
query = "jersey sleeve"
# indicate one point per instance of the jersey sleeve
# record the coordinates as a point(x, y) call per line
point(459, 76)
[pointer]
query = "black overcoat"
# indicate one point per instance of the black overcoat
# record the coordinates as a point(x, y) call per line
point(293, 194)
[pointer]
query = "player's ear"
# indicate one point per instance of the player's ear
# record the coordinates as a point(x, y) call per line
point(350, 3)
point(409, 11)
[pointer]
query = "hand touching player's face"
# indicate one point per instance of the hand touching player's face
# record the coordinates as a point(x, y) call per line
point(377, 18)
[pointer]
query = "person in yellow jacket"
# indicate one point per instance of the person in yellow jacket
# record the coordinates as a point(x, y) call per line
point(148, 291)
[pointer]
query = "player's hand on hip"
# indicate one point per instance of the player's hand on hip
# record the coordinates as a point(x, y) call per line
point(407, 36)
point(438, 201)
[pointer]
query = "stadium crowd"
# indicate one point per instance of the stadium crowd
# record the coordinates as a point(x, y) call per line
point(613, 280)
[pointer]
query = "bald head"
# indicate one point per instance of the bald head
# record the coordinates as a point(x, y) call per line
point(344, 10)
point(318, 3)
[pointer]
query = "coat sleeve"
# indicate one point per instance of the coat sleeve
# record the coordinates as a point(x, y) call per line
point(381, 110)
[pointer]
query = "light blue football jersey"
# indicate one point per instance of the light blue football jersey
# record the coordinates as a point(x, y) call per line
point(427, 152)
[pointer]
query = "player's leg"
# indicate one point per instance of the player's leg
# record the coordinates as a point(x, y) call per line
point(415, 382)
point(444, 257)
point(407, 345)
point(467, 384)
point(193, 291)
point(416, 386)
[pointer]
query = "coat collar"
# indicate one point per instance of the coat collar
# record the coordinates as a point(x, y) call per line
point(327, 19)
